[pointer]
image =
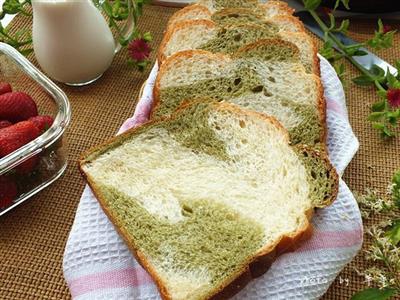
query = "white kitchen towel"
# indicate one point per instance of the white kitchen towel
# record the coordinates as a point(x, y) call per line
point(98, 265)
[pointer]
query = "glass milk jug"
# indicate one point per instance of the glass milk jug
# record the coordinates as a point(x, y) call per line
point(72, 41)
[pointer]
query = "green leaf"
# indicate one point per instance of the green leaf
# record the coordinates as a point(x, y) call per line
point(396, 188)
point(107, 8)
point(363, 80)
point(311, 4)
point(147, 37)
point(25, 52)
point(339, 68)
point(344, 26)
point(123, 41)
point(327, 50)
point(379, 106)
point(396, 179)
point(378, 125)
point(394, 232)
point(397, 65)
point(375, 116)
point(381, 40)
point(337, 2)
point(360, 53)
point(391, 80)
point(332, 22)
point(346, 3)
point(377, 71)
point(386, 132)
point(382, 94)
point(374, 294)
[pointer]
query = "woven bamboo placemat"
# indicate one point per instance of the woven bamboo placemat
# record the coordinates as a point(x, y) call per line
point(33, 236)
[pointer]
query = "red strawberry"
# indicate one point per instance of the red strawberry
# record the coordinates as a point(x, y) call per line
point(42, 122)
point(8, 191)
point(5, 88)
point(28, 165)
point(4, 124)
point(14, 137)
point(17, 106)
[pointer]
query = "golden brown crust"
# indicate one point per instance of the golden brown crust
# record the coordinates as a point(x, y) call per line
point(263, 261)
point(171, 31)
point(322, 111)
point(304, 36)
point(240, 10)
point(256, 267)
point(258, 264)
point(281, 6)
point(125, 236)
point(176, 17)
point(236, 109)
point(323, 155)
point(317, 69)
point(271, 41)
point(288, 19)
point(170, 62)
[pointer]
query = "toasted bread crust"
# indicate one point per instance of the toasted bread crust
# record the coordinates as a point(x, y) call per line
point(281, 6)
point(305, 36)
point(171, 31)
point(289, 19)
point(187, 10)
point(258, 264)
point(271, 41)
point(171, 61)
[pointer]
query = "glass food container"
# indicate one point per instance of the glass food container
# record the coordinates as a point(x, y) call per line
point(49, 147)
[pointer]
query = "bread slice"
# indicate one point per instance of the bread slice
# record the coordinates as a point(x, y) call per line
point(207, 35)
point(190, 12)
point(235, 16)
point(206, 199)
point(205, 9)
point(266, 76)
point(270, 8)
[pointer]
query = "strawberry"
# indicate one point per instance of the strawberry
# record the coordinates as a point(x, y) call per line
point(4, 124)
point(8, 191)
point(5, 88)
point(14, 137)
point(17, 106)
point(28, 165)
point(42, 122)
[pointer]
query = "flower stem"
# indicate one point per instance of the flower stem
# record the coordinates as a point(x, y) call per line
point(339, 44)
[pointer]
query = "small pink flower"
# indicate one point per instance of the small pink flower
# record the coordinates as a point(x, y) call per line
point(387, 28)
point(393, 96)
point(139, 50)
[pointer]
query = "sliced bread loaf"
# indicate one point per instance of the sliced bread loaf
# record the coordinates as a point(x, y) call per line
point(207, 35)
point(206, 199)
point(205, 9)
point(265, 76)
